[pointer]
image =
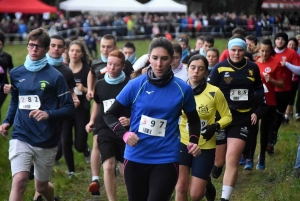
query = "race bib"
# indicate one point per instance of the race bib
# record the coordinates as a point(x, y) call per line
point(203, 124)
point(107, 104)
point(239, 94)
point(77, 92)
point(152, 126)
point(265, 88)
point(30, 102)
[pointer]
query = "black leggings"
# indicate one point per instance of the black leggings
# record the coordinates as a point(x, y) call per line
point(149, 182)
point(81, 118)
point(250, 147)
point(282, 100)
point(2, 99)
point(267, 129)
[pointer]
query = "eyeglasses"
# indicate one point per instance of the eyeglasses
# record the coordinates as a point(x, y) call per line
point(32, 45)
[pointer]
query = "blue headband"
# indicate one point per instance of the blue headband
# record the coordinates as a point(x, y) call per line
point(237, 42)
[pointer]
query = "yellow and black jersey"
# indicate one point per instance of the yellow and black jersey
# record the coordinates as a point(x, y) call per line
point(238, 83)
point(208, 102)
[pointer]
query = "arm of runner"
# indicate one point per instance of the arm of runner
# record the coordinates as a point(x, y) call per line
point(112, 120)
point(124, 121)
point(7, 88)
point(39, 115)
point(90, 85)
point(293, 68)
point(223, 109)
point(75, 98)
point(4, 129)
point(90, 126)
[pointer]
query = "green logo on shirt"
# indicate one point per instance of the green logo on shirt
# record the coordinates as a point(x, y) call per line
point(43, 84)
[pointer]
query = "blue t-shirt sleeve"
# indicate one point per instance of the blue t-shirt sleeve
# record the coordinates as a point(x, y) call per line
point(127, 96)
point(189, 103)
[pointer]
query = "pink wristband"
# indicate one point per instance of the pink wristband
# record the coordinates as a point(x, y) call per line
point(126, 136)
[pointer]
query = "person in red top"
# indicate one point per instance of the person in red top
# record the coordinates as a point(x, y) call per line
point(271, 76)
point(283, 94)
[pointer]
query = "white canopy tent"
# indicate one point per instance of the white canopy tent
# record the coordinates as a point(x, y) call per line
point(102, 5)
point(165, 6)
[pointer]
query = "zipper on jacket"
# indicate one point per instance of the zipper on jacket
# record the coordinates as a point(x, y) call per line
point(32, 80)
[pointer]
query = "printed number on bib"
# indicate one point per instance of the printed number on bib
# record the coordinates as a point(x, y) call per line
point(30, 102)
point(239, 94)
point(203, 124)
point(77, 92)
point(107, 104)
point(152, 126)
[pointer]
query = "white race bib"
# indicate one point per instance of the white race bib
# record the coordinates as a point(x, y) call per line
point(29, 102)
point(203, 124)
point(152, 126)
point(265, 88)
point(239, 94)
point(107, 104)
point(77, 92)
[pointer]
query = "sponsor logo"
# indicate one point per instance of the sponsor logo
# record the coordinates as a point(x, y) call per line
point(43, 84)
point(21, 80)
point(149, 92)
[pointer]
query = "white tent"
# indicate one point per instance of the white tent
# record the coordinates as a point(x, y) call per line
point(102, 5)
point(165, 6)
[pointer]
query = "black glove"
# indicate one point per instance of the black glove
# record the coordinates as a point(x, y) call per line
point(208, 131)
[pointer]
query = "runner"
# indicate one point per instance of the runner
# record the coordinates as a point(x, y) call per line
point(78, 63)
point(209, 99)
point(283, 54)
point(178, 68)
point(239, 80)
point(212, 56)
point(130, 52)
point(110, 145)
point(152, 144)
point(271, 75)
point(38, 90)
point(97, 72)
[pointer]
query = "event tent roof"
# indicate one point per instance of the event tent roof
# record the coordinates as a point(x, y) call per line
point(102, 5)
point(28, 6)
point(165, 6)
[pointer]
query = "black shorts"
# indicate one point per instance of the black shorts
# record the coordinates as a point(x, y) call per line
point(240, 126)
point(221, 137)
point(201, 165)
point(110, 146)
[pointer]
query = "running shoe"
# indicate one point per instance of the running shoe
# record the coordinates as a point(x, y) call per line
point(39, 198)
point(210, 193)
point(249, 164)
point(270, 149)
point(31, 173)
point(216, 172)
point(261, 163)
point(87, 154)
point(94, 187)
point(71, 175)
point(223, 199)
point(242, 160)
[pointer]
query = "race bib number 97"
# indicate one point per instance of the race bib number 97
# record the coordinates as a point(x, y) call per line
point(30, 102)
point(152, 126)
point(239, 94)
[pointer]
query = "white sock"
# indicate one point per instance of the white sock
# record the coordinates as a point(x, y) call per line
point(226, 192)
point(95, 178)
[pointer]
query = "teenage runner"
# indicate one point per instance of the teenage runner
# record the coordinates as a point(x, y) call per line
point(39, 99)
point(152, 144)
point(178, 68)
point(78, 63)
point(111, 146)
point(239, 80)
point(212, 56)
point(283, 54)
point(209, 99)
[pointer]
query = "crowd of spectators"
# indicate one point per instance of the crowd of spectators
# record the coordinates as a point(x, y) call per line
point(135, 25)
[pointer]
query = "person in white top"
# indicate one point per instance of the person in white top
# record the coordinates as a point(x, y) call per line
point(178, 68)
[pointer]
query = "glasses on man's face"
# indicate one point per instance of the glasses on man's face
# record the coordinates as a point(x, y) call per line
point(32, 45)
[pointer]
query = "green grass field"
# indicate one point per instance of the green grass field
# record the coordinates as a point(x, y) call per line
point(273, 184)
